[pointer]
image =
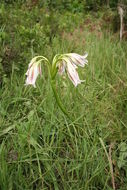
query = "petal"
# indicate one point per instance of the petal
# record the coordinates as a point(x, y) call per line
point(61, 66)
point(32, 75)
point(73, 74)
point(86, 54)
point(78, 59)
point(75, 82)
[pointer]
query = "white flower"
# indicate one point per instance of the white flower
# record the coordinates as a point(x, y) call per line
point(79, 60)
point(70, 62)
point(34, 69)
point(73, 74)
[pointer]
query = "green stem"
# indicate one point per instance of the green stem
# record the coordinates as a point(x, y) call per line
point(58, 100)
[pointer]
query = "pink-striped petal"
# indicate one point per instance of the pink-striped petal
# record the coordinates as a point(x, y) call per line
point(73, 74)
point(32, 74)
point(77, 59)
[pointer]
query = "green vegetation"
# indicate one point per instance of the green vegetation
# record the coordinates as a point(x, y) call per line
point(39, 147)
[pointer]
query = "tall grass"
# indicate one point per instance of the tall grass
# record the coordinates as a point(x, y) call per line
point(40, 148)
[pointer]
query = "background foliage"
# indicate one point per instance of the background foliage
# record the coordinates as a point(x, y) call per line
point(39, 147)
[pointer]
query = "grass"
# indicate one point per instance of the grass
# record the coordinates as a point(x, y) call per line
point(40, 148)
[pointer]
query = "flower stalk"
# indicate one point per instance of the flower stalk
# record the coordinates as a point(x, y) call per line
point(58, 100)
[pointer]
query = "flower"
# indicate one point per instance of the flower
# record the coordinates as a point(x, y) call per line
point(73, 74)
point(79, 60)
point(70, 62)
point(34, 69)
point(62, 66)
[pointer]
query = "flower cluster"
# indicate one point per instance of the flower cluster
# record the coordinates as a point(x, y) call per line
point(68, 62)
